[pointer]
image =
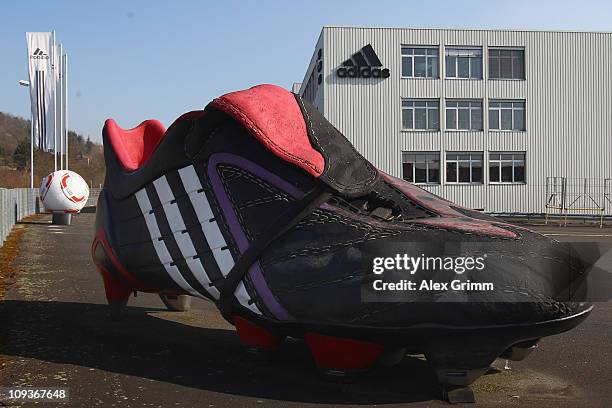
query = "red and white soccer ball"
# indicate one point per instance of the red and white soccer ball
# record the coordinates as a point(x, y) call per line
point(64, 191)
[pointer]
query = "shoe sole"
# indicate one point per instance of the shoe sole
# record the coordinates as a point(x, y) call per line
point(457, 354)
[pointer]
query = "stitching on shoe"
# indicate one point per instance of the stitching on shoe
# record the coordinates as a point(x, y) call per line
point(324, 249)
point(237, 173)
point(321, 282)
point(252, 178)
point(314, 136)
point(212, 199)
point(233, 200)
point(260, 201)
point(405, 198)
point(326, 217)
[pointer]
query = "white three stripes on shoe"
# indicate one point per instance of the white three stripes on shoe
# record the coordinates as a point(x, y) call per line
point(210, 228)
point(200, 204)
point(212, 233)
point(183, 241)
point(159, 245)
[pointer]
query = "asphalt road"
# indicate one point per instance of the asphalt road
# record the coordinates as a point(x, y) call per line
point(54, 332)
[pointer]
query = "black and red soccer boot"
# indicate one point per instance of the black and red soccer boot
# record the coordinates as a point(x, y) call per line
point(259, 204)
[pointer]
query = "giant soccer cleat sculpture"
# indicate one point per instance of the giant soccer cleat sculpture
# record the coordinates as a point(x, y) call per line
point(260, 205)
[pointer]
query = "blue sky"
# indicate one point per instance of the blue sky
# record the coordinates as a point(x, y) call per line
point(133, 60)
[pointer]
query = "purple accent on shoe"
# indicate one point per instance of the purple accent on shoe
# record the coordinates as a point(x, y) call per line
point(234, 225)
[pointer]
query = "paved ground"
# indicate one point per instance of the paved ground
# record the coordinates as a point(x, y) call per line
point(54, 332)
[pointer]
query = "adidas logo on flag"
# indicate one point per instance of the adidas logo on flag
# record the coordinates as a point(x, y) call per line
point(39, 54)
point(363, 64)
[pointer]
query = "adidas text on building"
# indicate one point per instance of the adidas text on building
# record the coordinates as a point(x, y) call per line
point(488, 119)
point(363, 64)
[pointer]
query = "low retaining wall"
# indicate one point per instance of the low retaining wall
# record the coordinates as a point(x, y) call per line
point(18, 203)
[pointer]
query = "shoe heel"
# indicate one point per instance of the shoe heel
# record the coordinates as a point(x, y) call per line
point(457, 363)
point(341, 358)
point(117, 293)
point(259, 343)
point(118, 282)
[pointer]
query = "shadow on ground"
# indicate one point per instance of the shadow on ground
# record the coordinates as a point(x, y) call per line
point(148, 345)
point(36, 222)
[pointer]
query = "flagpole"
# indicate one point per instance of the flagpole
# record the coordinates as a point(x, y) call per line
point(31, 148)
point(66, 103)
point(54, 104)
point(61, 105)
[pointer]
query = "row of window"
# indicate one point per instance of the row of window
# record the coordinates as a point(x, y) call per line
point(463, 167)
point(462, 62)
point(424, 114)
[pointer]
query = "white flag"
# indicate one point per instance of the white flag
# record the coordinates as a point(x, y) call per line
point(42, 87)
point(57, 74)
point(64, 108)
point(65, 105)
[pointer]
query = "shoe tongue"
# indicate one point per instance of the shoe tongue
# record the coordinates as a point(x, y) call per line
point(298, 133)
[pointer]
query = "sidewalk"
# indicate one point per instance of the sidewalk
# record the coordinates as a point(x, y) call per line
point(55, 333)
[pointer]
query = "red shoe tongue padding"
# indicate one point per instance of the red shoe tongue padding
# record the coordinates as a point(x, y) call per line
point(134, 146)
point(273, 116)
point(270, 113)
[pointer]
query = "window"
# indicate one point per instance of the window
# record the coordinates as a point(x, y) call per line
point(506, 63)
point(507, 115)
point(464, 63)
point(421, 167)
point(421, 114)
point(463, 115)
point(464, 168)
point(507, 167)
point(420, 62)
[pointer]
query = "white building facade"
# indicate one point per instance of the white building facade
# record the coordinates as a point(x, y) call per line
point(480, 117)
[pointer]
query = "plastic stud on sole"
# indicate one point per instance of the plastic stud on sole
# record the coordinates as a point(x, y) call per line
point(458, 394)
point(456, 383)
point(520, 351)
point(117, 293)
point(259, 343)
point(392, 356)
point(116, 308)
point(459, 363)
point(176, 303)
point(341, 358)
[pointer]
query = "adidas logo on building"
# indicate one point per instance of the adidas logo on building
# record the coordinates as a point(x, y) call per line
point(363, 64)
point(39, 54)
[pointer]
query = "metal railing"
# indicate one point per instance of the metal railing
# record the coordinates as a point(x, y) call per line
point(585, 196)
point(18, 203)
point(93, 197)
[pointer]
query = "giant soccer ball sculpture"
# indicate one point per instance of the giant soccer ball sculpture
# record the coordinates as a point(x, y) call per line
point(63, 192)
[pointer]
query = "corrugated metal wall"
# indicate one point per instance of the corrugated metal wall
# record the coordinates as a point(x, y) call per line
point(320, 88)
point(568, 93)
